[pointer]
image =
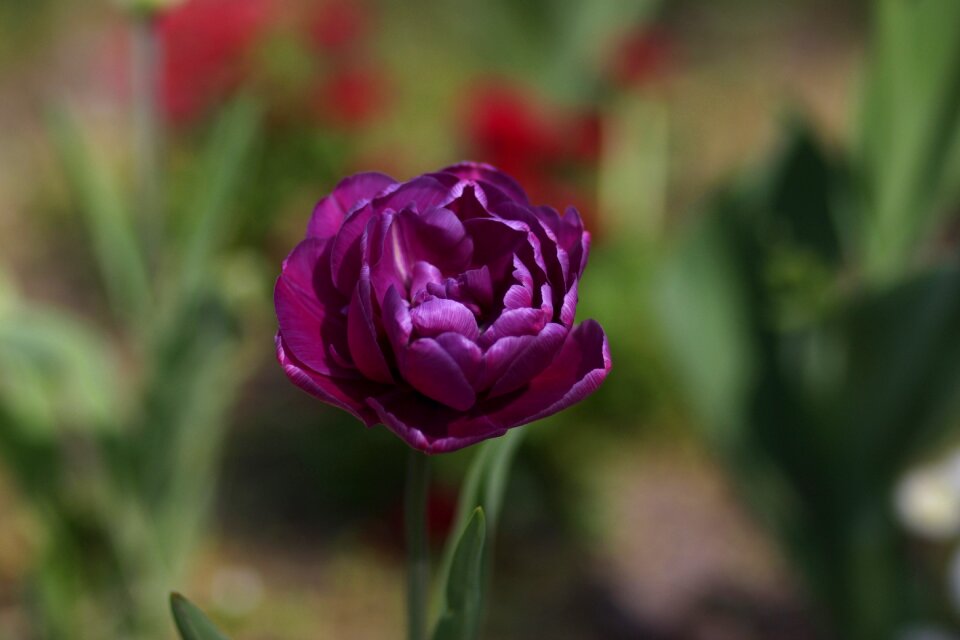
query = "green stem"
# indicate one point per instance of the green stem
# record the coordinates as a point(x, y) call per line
point(418, 567)
point(146, 59)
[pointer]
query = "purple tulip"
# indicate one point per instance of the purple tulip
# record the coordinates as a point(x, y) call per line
point(442, 307)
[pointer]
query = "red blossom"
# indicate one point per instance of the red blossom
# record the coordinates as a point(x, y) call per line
point(553, 153)
point(337, 25)
point(206, 44)
point(640, 57)
point(350, 97)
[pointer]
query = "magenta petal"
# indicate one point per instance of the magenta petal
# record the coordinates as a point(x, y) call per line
point(346, 251)
point(529, 362)
point(488, 173)
point(437, 237)
point(514, 322)
point(578, 370)
point(424, 192)
point(519, 295)
point(436, 316)
point(425, 425)
point(308, 324)
point(433, 372)
point(479, 285)
point(465, 353)
point(396, 320)
point(498, 358)
point(568, 311)
point(348, 195)
point(362, 335)
point(347, 394)
point(424, 273)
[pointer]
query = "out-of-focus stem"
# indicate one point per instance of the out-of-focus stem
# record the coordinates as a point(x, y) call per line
point(147, 127)
point(418, 567)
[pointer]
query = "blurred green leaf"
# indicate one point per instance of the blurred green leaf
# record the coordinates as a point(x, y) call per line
point(704, 308)
point(802, 188)
point(191, 622)
point(210, 214)
point(910, 127)
point(460, 619)
point(115, 245)
point(902, 370)
point(56, 374)
point(584, 34)
point(484, 486)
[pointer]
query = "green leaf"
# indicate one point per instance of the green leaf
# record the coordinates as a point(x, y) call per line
point(484, 485)
point(704, 307)
point(118, 253)
point(220, 174)
point(461, 618)
point(56, 373)
point(910, 127)
point(191, 622)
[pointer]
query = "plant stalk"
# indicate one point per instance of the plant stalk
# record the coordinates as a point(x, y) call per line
point(418, 567)
point(146, 60)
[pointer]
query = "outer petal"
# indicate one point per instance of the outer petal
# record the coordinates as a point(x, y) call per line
point(578, 370)
point(309, 324)
point(424, 424)
point(349, 194)
point(345, 394)
point(522, 366)
point(488, 173)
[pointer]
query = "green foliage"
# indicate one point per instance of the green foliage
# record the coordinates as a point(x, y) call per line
point(908, 153)
point(484, 486)
point(817, 388)
point(191, 622)
point(461, 617)
point(116, 248)
point(114, 435)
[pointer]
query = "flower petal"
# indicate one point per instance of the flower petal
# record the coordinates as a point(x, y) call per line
point(433, 372)
point(346, 394)
point(578, 370)
point(349, 194)
point(533, 358)
point(437, 315)
point(362, 335)
point(424, 424)
point(488, 173)
point(307, 323)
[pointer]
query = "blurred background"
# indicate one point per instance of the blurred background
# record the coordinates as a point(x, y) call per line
point(773, 191)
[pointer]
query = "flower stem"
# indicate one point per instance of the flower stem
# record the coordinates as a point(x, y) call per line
point(418, 568)
point(146, 59)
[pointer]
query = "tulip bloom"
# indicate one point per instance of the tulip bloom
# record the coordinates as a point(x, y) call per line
point(442, 307)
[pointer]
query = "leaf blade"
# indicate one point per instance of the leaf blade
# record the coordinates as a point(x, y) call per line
point(192, 623)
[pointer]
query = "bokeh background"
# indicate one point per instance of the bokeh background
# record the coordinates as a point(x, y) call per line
point(773, 190)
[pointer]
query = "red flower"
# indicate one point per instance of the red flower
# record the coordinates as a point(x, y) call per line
point(206, 44)
point(337, 25)
point(350, 97)
point(640, 57)
point(554, 154)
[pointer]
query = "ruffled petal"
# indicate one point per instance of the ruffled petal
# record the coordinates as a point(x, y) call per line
point(362, 335)
point(349, 194)
point(578, 370)
point(350, 395)
point(308, 324)
point(528, 362)
point(437, 315)
point(489, 174)
point(433, 372)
